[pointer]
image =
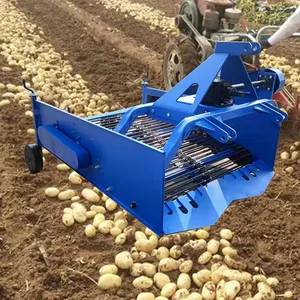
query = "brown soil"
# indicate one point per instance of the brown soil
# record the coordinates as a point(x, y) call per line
point(267, 228)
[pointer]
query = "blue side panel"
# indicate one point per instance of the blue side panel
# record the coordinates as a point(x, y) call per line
point(203, 207)
point(120, 167)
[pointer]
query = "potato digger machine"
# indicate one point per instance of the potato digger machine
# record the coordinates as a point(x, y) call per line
point(203, 23)
point(176, 161)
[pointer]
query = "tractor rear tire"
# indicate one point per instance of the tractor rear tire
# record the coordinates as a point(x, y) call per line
point(180, 59)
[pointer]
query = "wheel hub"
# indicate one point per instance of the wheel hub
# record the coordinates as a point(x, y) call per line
point(174, 68)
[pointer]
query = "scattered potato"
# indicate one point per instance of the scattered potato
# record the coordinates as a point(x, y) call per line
point(105, 226)
point(108, 269)
point(161, 298)
point(272, 282)
point(98, 209)
point(226, 234)
point(90, 230)
point(180, 294)
point(184, 281)
point(122, 224)
point(79, 215)
point(98, 219)
point(295, 155)
point(31, 131)
point(123, 260)
point(137, 270)
point(145, 296)
point(209, 291)
point(231, 289)
point(51, 192)
point(186, 266)
point(168, 290)
point(29, 114)
point(75, 178)
point(115, 231)
point(90, 214)
point(285, 155)
point(229, 251)
point(220, 288)
point(266, 291)
point(201, 277)
point(111, 205)
point(68, 219)
point(202, 234)
point(194, 296)
point(236, 275)
point(90, 195)
point(75, 198)
point(167, 265)
point(68, 210)
point(144, 245)
point(66, 195)
point(121, 239)
point(175, 251)
point(62, 167)
point(149, 269)
point(213, 246)
point(204, 258)
point(224, 243)
point(142, 282)
point(259, 278)
point(109, 281)
point(194, 248)
point(289, 170)
point(161, 279)
point(288, 295)
point(4, 103)
point(162, 252)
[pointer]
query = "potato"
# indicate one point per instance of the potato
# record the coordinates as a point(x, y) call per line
point(120, 215)
point(175, 251)
point(217, 275)
point(139, 235)
point(149, 269)
point(186, 266)
point(115, 231)
point(120, 239)
point(194, 296)
point(144, 245)
point(51, 192)
point(220, 289)
point(122, 224)
point(259, 278)
point(295, 155)
point(167, 265)
point(148, 232)
point(98, 209)
point(209, 291)
point(194, 248)
point(137, 270)
point(235, 262)
point(4, 102)
point(202, 234)
point(90, 214)
point(145, 296)
point(123, 260)
point(29, 114)
point(98, 219)
point(216, 258)
point(168, 290)
point(80, 206)
point(226, 234)
point(153, 240)
point(75, 198)
point(180, 294)
point(62, 167)
point(68, 210)
point(201, 277)
point(75, 178)
point(272, 281)
point(204, 258)
point(231, 289)
point(90, 195)
point(90, 230)
point(224, 243)
point(237, 275)
point(181, 238)
point(184, 281)
point(130, 232)
point(111, 205)
point(68, 220)
point(161, 279)
point(165, 241)
point(105, 226)
point(289, 170)
point(142, 282)
point(79, 215)
point(162, 252)
point(108, 269)
point(66, 195)
point(213, 246)
point(229, 251)
point(285, 155)
point(109, 281)
point(288, 295)
point(161, 298)
point(266, 291)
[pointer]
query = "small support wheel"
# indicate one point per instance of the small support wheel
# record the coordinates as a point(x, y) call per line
point(34, 158)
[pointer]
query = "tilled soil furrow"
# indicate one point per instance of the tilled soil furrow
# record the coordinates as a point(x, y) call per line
point(98, 61)
point(137, 30)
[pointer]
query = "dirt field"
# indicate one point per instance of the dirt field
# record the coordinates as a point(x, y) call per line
point(267, 228)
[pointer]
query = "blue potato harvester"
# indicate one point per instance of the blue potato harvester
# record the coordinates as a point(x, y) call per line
point(179, 159)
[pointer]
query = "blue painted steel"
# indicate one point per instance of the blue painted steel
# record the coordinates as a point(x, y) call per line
point(133, 173)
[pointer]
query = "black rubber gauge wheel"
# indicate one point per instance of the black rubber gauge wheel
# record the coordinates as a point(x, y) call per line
point(33, 158)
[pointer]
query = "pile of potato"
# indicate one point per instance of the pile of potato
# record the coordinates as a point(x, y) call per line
point(205, 269)
point(292, 156)
point(141, 12)
point(48, 72)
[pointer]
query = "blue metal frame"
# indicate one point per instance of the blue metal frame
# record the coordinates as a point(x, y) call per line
point(133, 173)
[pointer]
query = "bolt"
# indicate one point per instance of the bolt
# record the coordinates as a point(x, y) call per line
point(270, 77)
point(152, 110)
point(108, 189)
point(133, 205)
point(97, 167)
point(268, 89)
point(168, 115)
point(254, 48)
